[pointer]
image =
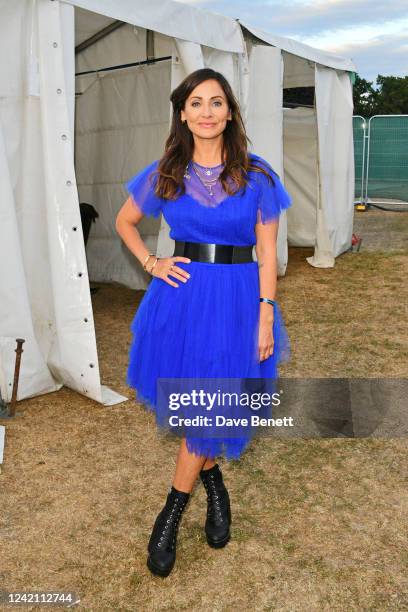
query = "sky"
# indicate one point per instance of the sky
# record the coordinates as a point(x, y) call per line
point(373, 33)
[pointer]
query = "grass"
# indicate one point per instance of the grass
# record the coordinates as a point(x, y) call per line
point(318, 524)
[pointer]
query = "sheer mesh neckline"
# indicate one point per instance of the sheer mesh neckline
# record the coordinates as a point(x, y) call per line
point(228, 197)
point(207, 167)
point(198, 192)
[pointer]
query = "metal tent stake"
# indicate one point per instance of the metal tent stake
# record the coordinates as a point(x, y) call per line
point(11, 413)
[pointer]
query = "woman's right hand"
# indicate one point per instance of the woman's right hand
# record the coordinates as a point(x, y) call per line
point(166, 266)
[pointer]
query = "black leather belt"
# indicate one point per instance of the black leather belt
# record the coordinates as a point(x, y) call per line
point(213, 253)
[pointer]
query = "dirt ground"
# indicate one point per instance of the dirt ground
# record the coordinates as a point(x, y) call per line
point(318, 524)
point(382, 230)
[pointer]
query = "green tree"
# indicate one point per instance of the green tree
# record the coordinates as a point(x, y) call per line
point(391, 97)
point(363, 97)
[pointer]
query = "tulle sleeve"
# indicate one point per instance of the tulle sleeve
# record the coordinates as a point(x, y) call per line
point(141, 188)
point(272, 199)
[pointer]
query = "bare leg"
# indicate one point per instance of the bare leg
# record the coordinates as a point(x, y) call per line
point(187, 468)
point(208, 464)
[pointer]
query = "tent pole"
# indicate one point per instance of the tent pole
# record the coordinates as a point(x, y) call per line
point(119, 67)
point(99, 35)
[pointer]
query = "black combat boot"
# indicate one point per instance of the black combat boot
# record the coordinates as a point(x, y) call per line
point(163, 540)
point(217, 525)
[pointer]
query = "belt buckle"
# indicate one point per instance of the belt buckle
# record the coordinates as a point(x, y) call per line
point(224, 252)
point(212, 252)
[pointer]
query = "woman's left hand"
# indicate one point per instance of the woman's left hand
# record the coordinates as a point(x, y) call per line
point(265, 341)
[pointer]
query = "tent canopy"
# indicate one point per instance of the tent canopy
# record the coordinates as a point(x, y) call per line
point(170, 18)
point(325, 58)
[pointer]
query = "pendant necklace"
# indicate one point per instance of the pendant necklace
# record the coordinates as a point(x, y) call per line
point(208, 183)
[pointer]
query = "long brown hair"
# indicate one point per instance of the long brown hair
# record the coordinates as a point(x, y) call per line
point(179, 146)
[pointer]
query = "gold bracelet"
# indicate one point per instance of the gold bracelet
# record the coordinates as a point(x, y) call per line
point(151, 270)
point(146, 260)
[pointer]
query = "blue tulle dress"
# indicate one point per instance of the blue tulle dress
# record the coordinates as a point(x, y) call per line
point(208, 326)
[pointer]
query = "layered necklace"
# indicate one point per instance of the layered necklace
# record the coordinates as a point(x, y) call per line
point(207, 176)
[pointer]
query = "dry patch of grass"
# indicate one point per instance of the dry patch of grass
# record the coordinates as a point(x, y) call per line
point(350, 320)
point(317, 524)
point(382, 230)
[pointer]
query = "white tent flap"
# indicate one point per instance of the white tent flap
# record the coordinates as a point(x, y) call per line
point(334, 106)
point(265, 123)
point(300, 161)
point(73, 356)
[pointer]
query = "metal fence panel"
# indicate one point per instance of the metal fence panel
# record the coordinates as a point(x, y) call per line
point(387, 157)
point(359, 135)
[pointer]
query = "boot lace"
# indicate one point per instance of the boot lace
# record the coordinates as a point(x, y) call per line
point(170, 527)
point(213, 499)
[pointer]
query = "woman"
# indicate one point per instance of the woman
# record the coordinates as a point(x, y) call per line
point(209, 310)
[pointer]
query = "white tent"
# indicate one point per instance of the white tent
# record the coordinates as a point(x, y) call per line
point(318, 152)
point(67, 138)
